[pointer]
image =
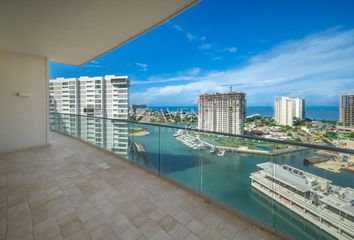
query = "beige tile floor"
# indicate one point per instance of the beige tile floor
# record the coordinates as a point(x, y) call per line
point(74, 191)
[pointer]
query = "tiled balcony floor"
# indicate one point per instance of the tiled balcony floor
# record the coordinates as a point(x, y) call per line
point(74, 191)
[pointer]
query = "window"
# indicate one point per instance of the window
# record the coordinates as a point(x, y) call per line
point(122, 85)
point(88, 110)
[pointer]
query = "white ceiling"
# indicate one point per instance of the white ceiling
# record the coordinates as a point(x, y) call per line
point(77, 31)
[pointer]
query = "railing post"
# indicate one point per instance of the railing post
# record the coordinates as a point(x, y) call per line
point(159, 169)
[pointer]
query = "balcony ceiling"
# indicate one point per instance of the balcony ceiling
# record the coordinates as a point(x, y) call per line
point(75, 32)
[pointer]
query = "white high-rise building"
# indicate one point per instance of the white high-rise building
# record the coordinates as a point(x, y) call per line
point(116, 106)
point(299, 108)
point(284, 111)
point(222, 112)
point(63, 99)
point(100, 97)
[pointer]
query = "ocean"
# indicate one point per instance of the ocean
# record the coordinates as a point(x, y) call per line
point(312, 112)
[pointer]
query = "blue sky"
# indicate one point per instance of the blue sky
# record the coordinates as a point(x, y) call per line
point(266, 48)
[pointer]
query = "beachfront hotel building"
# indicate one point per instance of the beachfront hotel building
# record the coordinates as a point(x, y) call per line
point(286, 110)
point(283, 111)
point(222, 112)
point(299, 108)
point(346, 111)
point(93, 97)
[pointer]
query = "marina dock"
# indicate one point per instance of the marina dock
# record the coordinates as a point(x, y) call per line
point(315, 159)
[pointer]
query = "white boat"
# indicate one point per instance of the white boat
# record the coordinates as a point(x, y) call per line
point(329, 207)
point(212, 150)
point(221, 153)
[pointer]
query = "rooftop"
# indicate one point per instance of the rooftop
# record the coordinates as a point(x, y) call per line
point(278, 172)
point(74, 191)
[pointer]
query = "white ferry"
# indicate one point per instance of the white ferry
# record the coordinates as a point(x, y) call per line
point(329, 207)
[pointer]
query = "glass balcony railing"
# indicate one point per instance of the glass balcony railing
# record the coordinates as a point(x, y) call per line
point(298, 190)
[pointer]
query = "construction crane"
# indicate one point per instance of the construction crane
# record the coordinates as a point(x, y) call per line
point(230, 86)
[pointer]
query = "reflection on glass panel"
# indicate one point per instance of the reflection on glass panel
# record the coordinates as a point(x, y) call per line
point(92, 130)
point(53, 121)
point(227, 171)
point(67, 124)
point(181, 153)
point(116, 135)
point(303, 192)
point(145, 149)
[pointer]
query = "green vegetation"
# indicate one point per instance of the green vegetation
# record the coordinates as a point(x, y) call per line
point(329, 121)
point(240, 142)
point(286, 128)
point(135, 119)
point(261, 121)
point(300, 123)
point(330, 135)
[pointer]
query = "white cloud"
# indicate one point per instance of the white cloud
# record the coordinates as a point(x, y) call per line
point(189, 36)
point(93, 64)
point(192, 37)
point(205, 46)
point(143, 66)
point(229, 50)
point(177, 27)
point(195, 71)
point(318, 67)
point(186, 76)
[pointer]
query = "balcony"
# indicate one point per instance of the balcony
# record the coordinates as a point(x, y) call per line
point(72, 190)
point(270, 184)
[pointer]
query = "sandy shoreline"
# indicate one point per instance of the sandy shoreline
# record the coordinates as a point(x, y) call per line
point(139, 134)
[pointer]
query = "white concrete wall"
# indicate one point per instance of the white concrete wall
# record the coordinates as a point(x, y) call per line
point(23, 120)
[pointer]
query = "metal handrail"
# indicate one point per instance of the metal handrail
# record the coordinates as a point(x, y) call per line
point(307, 145)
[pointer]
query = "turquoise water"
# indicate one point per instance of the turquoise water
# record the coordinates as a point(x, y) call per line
point(312, 112)
point(226, 179)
